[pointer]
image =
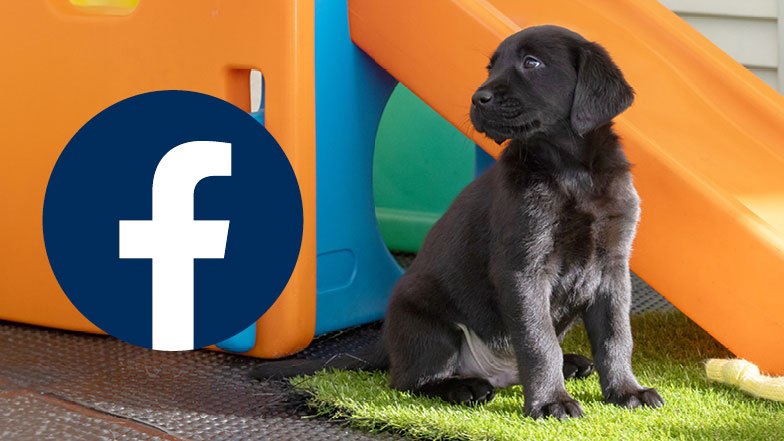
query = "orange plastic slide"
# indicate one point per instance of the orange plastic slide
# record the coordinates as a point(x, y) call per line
point(706, 137)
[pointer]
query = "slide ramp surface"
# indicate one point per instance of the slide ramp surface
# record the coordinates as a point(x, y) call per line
point(706, 137)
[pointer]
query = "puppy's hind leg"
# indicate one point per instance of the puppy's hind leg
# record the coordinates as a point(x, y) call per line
point(574, 365)
point(577, 366)
point(460, 390)
point(424, 347)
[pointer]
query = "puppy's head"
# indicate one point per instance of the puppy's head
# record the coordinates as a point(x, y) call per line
point(545, 78)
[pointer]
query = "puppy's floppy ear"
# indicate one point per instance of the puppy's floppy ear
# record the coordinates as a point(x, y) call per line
point(601, 92)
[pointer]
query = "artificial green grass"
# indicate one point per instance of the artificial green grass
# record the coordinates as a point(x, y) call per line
point(668, 355)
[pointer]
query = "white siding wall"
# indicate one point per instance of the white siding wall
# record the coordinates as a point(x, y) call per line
point(750, 31)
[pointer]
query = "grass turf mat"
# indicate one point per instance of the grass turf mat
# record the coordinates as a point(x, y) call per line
point(668, 355)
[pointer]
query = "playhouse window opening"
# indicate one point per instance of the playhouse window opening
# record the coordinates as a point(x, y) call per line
point(256, 91)
point(245, 89)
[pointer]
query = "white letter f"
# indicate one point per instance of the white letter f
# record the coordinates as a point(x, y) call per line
point(172, 239)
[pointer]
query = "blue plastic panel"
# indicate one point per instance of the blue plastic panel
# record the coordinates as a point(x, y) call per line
point(355, 270)
point(242, 342)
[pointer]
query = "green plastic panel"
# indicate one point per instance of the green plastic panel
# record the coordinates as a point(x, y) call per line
point(421, 163)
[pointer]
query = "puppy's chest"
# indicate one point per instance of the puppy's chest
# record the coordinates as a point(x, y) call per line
point(585, 238)
point(576, 233)
point(584, 231)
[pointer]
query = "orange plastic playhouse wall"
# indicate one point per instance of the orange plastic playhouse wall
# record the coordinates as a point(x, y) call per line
point(706, 135)
point(63, 64)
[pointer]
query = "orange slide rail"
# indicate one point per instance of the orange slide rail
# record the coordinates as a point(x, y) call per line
point(706, 137)
point(62, 64)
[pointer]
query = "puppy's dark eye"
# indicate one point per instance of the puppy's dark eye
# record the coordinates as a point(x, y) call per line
point(530, 62)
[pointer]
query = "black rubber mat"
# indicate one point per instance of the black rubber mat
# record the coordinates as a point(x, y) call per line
point(63, 385)
point(195, 395)
point(645, 298)
point(27, 417)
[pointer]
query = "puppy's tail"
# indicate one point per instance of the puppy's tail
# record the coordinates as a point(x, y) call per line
point(374, 358)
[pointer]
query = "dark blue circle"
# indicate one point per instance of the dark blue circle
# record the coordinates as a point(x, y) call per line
point(105, 175)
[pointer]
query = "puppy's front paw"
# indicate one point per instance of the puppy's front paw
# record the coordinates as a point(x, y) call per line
point(646, 396)
point(561, 409)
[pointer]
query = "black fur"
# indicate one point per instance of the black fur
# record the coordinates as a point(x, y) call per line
point(541, 238)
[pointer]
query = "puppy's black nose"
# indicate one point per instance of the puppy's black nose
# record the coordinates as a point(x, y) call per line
point(482, 98)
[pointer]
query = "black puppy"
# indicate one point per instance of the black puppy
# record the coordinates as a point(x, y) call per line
point(541, 238)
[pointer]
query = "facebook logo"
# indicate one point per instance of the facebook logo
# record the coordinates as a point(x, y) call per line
point(138, 212)
point(172, 239)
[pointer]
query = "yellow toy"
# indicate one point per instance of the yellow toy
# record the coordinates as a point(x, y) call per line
point(747, 376)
